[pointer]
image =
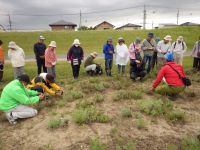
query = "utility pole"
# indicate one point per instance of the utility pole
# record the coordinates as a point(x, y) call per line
point(10, 22)
point(144, 18)
point(177, 16)
point(80, 23)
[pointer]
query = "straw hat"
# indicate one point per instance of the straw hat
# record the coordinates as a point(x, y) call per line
point(52, 44)
point(12, 45)
point(76, 42)
point(41, 37)
point(94, 54)
point(168, 38)
point(180, 38)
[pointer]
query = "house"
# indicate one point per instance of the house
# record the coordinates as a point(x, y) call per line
point(129, 26)
point(62, 25)
point(167, 25)
point(104, 26)
point(189, 24)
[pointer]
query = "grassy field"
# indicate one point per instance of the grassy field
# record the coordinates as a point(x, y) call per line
point(93, 40)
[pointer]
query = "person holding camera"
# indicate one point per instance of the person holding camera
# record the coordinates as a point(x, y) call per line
point(15, 96)
point(45, 82)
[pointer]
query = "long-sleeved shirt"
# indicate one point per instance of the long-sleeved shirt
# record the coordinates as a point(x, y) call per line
point(196, 49)
point(39, 50)
point(17, 57)
point(50, 57)
point(89, 61)
point(179, 48)
point(133, 48)
point(149, 47)
point(15, 94)
point(75, 53)
point(1, 56)
point(108, 50)
point(171, 77)
point(163, 48)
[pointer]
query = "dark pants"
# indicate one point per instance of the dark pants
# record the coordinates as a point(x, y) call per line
point(75, 70)
point(119, 68)
point(148, 62)
point(108, 66)
point(40, 65)
point(140, 74)
point(154, 60)
point(1, 71)
point(38, 89)
point(196, 63)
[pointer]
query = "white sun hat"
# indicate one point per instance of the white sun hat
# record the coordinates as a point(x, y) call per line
point(168, 38)
point(12, 45)
point(41, 37)
point(52, 44)
point(76, 42)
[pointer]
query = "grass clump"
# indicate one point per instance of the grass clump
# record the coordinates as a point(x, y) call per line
point(126, 112)
point(89, 115)
point(122, 94)
point(140, 123)
point(98, 98)
point(99, 87)
point(57, 122)
point(95, 144)
point(190, 143)
point(176, 116)
point(73, 95)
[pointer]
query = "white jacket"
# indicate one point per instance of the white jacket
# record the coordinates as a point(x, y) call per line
point(122, 54)
point(179, 48)
point(17, 57)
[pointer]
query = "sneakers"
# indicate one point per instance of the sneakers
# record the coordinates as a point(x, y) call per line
point(10, 118)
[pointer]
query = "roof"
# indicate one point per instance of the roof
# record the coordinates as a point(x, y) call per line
point(129, 25)
point(62, 23)
point(103, 23)
point(189, 24)
point(168, 24)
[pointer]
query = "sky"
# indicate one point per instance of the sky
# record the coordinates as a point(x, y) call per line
point(38, 14)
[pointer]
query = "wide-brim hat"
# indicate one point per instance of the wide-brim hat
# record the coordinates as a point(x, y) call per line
point(94, 54)
point(76, 42)
point(52, 44)
point(41, 37)
point(120, 39)
point(168, 38)
point(12, 45)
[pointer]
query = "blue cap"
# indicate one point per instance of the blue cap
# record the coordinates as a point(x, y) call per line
point(150, 34)
point(169, 56)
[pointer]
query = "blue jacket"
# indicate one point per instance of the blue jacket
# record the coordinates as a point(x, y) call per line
point(108, 51)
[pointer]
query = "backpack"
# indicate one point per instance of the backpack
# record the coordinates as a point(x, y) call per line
point(183, 46)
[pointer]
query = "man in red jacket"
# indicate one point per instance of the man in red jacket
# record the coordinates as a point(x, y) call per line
point(173, 85)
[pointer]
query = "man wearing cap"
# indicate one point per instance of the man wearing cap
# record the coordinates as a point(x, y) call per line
point(17, 58)
point(90, 66)
point(51, 59)
point(149, 47)
point(1, 61)
point(108, 50)
point(15, 96)
point(173, 84)
point(39, 50)
point(162, 48)
point(75, 56)
point(179, 48)
point(45, 82)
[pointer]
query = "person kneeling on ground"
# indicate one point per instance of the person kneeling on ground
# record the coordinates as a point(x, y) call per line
point(137, 68)
point(46, 83)
point(14, 98)
point(173, 84)
point(92, 68)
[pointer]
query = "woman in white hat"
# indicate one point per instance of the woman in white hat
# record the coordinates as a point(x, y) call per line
point(179, 48)
point(17, 58)
point(122, 55)
point(51, 59)
point(75, 56)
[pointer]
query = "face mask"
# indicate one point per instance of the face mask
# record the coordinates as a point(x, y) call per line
point(76, 45)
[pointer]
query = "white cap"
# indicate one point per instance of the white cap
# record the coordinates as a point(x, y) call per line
point(41, 37)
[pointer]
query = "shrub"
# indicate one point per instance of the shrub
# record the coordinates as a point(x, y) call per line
point(140, 123)
point(89, 115)
point(126, 112)
point(96, 145)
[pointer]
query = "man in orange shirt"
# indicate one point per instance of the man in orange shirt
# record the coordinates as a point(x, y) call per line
point(1, 61)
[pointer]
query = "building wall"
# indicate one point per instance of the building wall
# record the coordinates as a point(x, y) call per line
point(104, 26)
point(163, 26)
point(57, 28)
point(130, 28)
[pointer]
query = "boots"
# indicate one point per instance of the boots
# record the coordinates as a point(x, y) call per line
point(1, 75)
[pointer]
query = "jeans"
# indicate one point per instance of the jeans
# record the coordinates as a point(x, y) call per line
point(40, 65)
point(148, 61)
point(108, 66)
point(154, 60)
point(52, 70)
point(119, 68)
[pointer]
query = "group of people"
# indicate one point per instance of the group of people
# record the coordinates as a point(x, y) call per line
point(143, 56)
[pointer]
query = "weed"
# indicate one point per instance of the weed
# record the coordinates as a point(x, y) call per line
point(190, 143)
point(122, 94)
point(176, 116)
point(129, 146)
point(98, 98)
point(99, 87)
point(140, 123)
point(84, 104)
point(57, 122)
point(96, 145)
point(172, 147)
point(94, 80)
point(126, 112)
point(73, 95)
